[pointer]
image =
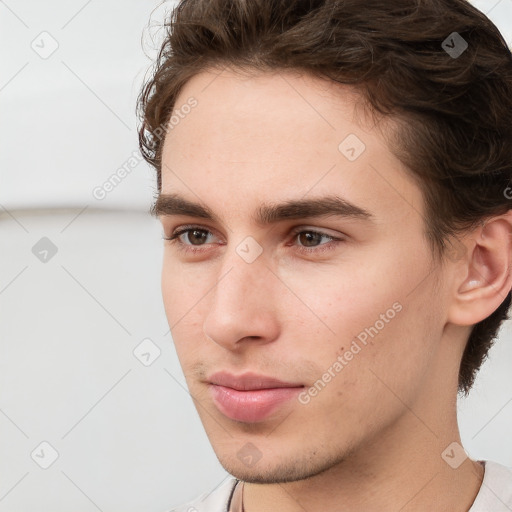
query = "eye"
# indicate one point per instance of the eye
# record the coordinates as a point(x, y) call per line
point(312, 236)
point(193, 233)
point(199, 236)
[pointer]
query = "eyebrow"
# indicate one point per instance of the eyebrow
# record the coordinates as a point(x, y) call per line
point(266, 214)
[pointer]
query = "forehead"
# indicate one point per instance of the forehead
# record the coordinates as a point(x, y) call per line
point(294, 100)
point(261, 105)
point(280, 134)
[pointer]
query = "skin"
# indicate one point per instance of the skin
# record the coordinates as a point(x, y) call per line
point(372, 439)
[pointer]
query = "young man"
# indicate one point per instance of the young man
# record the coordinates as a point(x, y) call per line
point(334, 184)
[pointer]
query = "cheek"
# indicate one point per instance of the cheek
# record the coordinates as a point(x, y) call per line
point(182, 293)
point(385, 364)
point(369, 316)
point(340, 304)
point(182, 288)
point(364, 384)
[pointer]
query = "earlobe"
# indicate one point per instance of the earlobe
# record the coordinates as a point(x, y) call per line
point(487, 272)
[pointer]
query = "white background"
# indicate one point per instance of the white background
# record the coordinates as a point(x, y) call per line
point(127, 435)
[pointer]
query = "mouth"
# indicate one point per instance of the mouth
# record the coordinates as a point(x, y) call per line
point(250, 398)
point(250, 381)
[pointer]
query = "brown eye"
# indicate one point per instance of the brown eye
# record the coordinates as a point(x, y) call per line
point(187, 238)
point(310, 238)
point(310, 241)
point(195, 236)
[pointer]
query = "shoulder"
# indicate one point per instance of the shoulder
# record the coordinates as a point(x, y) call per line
point(496, 490)
point(215, 500)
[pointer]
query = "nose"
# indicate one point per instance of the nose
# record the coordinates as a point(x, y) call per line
point(243, 304)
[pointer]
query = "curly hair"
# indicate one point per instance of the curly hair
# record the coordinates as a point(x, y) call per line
point(440, 68)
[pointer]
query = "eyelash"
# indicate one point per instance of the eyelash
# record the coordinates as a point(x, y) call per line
point(174, 239)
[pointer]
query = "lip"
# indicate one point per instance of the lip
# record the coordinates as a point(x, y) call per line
point(250, 397)
point(250, 381)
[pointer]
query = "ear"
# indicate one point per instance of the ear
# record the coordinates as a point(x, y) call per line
point(486, 272)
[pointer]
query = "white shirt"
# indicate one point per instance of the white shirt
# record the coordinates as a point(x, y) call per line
point(495, 494)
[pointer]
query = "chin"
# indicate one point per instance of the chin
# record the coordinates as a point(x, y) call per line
point(275, 470)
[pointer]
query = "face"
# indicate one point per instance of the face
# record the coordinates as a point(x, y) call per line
point(336, 297)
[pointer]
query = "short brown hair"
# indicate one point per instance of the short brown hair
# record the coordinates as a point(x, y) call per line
point(409, 60)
